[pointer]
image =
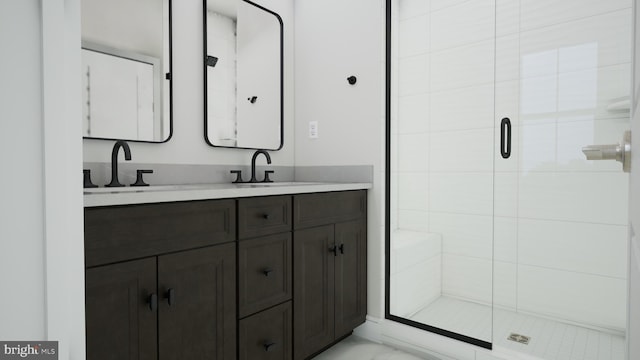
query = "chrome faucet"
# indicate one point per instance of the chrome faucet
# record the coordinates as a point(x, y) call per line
point(114, 161)
point(253, 166)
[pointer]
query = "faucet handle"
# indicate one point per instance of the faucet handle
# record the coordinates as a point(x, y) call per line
point(266, 176)
point(238, 176)
point(139, 180)
point(86, 176)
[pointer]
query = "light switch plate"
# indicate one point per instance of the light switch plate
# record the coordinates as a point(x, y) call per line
point(313, 129)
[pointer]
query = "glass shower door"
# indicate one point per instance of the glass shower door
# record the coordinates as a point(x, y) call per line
point(442, 167)
point(560, 227)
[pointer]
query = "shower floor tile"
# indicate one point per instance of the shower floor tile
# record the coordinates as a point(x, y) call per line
point(549, 339)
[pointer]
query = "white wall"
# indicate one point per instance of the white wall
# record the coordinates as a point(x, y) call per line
point(187, 146)
point(139, 34)
point(335, 39)
point(21, 185)
point(41, 261)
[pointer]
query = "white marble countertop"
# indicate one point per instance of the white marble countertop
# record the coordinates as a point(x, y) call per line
point(168, 193)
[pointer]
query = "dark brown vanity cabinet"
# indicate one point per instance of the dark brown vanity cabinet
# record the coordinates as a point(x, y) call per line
point(330, 281)
point(262, 278)
point(177, 298)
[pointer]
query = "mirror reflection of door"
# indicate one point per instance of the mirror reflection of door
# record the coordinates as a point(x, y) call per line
point(243, 75)
point(126, 69)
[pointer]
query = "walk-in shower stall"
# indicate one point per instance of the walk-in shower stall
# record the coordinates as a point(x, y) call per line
point(500, 232)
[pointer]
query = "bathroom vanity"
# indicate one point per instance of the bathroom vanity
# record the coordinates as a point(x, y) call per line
point(224, 272)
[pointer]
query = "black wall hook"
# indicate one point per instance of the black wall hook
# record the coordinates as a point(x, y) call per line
point(352, 80)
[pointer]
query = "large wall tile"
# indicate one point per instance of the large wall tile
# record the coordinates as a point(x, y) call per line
point(414, 36)
point(505, 285)
point(470, 235)
point(413, 114)
point(413, 152)
point(412, 191)
point(463, 66)
point(584, 298)
point(477, 112)
point(583, 197)
point(571, 96)
point(441, 4)
point(539, 13)
point(613, 84)
point(463, 150)
point(610, 33)
point(464, 193)
point(508, 57)
point(467, 277)
point(538, 94)
point(505, 239)
point(417, 220)
point(505, 201)
point(412, 8)
point(580, 247)
point(507, 17)
point(537, 147)
point(469, 22)
point(413, 75)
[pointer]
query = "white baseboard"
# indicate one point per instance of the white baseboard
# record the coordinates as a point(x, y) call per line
point(370, 330)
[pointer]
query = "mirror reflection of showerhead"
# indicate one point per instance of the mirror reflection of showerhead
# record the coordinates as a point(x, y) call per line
point(212, 61)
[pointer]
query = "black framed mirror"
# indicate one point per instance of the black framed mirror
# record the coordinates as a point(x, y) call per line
point(126, 70)
point(243, 82)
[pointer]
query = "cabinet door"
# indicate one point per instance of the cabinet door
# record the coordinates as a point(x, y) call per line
point(313, 284)
point(351, 276)
point(197, 310)
point(121, 324)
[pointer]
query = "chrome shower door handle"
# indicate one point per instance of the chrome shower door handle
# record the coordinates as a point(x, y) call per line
point(619, 152)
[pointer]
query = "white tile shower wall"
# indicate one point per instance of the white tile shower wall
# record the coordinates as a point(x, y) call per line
point(556, 72)
point(560, 223)
point(445, 57)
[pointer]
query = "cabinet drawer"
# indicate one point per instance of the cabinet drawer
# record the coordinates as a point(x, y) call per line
point(263, 216)
point(327, 208)
point(267, 335)
point(120, 233)
point(264, 272)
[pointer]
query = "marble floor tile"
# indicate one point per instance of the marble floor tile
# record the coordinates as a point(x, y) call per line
point(355, 348)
